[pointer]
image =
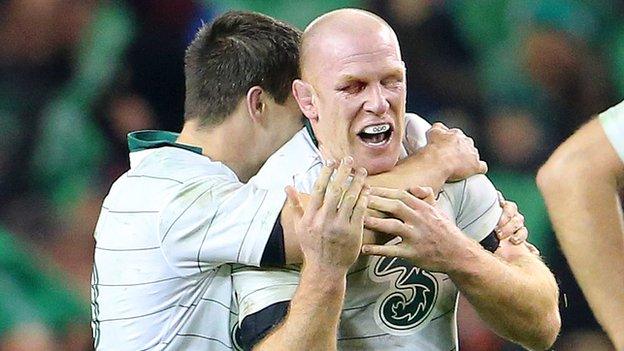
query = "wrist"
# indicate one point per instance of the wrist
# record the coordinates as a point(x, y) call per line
point(324, 276)
point(436, 162)
point(467, 261)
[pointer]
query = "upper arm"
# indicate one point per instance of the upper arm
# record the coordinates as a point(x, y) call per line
point(589, 155)
point(263, 297)
point(476, 206)
point(214, 221)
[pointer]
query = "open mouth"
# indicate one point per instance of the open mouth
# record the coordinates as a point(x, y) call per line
point(377, 134)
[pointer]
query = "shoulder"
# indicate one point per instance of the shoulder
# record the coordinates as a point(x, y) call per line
point(475, 204)
point(415, 135)
point(295, 162)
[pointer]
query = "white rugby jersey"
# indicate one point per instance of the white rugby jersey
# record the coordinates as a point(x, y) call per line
point(389, 304)
point(165, 233)
point(612, 121)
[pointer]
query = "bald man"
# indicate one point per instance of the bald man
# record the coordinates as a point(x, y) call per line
point(352, 92)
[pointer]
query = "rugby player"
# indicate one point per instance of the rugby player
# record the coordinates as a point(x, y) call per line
point(352, 92)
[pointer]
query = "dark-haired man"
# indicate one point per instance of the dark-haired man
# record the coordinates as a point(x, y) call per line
point(190, 204)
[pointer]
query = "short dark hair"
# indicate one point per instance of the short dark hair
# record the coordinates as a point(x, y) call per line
point(236, 52)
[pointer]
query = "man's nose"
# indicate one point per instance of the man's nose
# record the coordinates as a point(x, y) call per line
point(376, 100)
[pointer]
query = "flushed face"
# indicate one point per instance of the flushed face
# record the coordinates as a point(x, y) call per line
point(359, 99)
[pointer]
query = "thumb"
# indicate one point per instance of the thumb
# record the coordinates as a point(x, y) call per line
point(293, 202)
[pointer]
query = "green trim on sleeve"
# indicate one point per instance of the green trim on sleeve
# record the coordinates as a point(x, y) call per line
point(150, 139)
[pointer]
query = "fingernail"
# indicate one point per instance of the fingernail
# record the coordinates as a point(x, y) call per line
point(330, 162)
point(348, 160)
point(515, 240)
point(362, 171)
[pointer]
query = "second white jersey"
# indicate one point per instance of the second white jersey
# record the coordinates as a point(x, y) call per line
point(389, 304)
point(612, 121)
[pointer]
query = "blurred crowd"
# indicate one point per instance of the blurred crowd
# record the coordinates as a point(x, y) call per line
point(76, 76)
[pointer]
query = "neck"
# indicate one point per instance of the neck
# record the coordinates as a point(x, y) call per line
point(226, 143)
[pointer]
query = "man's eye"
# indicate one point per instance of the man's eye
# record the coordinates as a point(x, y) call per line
point(352, 88)
point(392, 82)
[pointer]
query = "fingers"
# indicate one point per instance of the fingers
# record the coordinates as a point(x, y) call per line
point(352, 195)
point(382, 250)
point(511, 223)
point(424, 193)
point(511, 227)
point(374, 213)
point(510, 209)
point(520, 236)
point(320, 186)
point(359, 211)
point(337, 186)
point(397, 203)
point(293, 201)
point(391, 226)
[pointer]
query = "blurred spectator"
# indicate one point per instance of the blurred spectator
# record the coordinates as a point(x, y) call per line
point(441, 71)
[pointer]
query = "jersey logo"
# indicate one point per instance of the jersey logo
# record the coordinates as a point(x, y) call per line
point(403, 309)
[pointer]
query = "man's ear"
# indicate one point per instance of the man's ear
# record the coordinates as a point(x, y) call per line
point(304, 94)
point(255, 102)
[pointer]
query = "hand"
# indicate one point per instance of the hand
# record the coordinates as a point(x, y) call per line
point(511, 223)
point(330, 228)
point(456, 151)
point(424, 193)
point(429, 239)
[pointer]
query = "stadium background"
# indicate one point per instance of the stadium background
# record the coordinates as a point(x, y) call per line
point(77, 75)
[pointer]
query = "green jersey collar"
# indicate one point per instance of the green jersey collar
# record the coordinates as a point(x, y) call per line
point(150, 139)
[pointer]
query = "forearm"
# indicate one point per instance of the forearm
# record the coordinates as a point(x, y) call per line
point(517, 297)
point(586, 214)
point(312, 320)
point(420, 169)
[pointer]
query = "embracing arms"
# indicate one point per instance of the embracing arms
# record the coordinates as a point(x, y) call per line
point(449, 155)
point(512, 290)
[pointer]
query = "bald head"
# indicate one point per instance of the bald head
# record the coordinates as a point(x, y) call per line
point(334, 31)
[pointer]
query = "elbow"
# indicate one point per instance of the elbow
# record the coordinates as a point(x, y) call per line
point(549, 176)
point(543, 335)
point(547, 336)
point(545, 322)
point(546, 328)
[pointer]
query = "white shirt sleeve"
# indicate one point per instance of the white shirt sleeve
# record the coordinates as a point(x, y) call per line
point(612, 121)
point(257, 289)
point(475, 203)
point(216, 220)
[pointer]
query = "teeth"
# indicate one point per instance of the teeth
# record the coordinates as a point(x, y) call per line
point(376, 129)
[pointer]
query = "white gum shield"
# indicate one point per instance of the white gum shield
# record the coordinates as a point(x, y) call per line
point(376, 129)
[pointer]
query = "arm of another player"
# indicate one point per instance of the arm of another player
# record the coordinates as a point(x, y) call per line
point(579, 183)
point(449, 155)
point(513, 291)
point(330, 233)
